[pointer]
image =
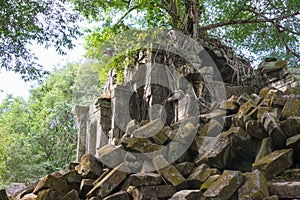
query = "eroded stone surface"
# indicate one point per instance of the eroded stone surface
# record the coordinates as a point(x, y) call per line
point(274, 163)
point(225, 186)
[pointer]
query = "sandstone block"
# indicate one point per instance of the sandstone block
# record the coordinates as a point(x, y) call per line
point(225, 186)
point(188, 195)
point(274, 163)
point(109, 182)
point(255, 187)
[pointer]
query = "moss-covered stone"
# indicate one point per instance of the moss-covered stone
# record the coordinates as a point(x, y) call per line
point(52, 182)
point(255, 186)
point(291, 108)
point(199, 175)
point(225, 186)
point(294, 143)
point(188, 195)
point(274, 163)
point(109, 182)
point(208, 182)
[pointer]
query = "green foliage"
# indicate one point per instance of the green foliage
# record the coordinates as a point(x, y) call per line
point(38, 136)
point(255, 29)
point(45, 22)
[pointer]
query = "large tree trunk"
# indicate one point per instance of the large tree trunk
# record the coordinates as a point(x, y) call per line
point(190, 23)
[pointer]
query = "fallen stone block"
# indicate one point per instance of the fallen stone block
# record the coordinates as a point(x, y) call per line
point(211, 129)
point(285, 190)
point(89, 167)
point(162, 136)
point(199, 175)
point(72, 195)
point(264, 149)
point(121, 195)
point(294, 143)
point(255, 129)
point(28, 197)
point(52, 182)
point(225, 186)
point(109, 182)
point(110, 155)
point(149, 130)
point(255, 186)
point(291, 108)
point(202, 144)
point(209, 182)
point(153, 192)
point(291, 126)
point(185, 168)
point(218, 155)
point(188, 195)
point(142, 179)
point(169, 172)
point(141, 145)
point(48, 194)
point(274, 163)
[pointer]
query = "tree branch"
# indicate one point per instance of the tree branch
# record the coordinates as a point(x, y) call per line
point(127, 13)
point(247, 21)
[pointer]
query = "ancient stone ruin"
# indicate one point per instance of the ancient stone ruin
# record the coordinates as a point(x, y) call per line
point(182, 127)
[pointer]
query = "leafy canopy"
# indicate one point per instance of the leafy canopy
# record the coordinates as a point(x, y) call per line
point(44, 22)
point(258, 28)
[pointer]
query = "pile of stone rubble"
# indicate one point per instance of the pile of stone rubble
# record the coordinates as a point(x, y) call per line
point(231, 149)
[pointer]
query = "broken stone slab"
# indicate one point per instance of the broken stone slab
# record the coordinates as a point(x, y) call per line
point(291, 126)
point(265, 149)
point(52, 182)
point(153, 192)
point(109, 182)
point(149, 130)
point(255, 129)
point(141, 145)
point(121, 195)
point(255, 186)
point(3, 195)
point(162, 136)
point(169, 172)
point(218, 155)
point(272, 126)
point(204, 186)
point(72, 195)
point(199, 175)
point(285, 190)
point(225, 186)
point(185, 168)
point(241, 142)
point(188, 195)
point(131, 126)
point(48, 194)
point(142, 179)
point(110, 155)
point(211, 129)
point(27, 197)
point(230, 105)
point(245, 109)
point(294, 143)
point(177, 152)
point(202, 144)
point(291, 108)
point(89, 166)
point(186, 133)
point(274, 163)
point(71, 177)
